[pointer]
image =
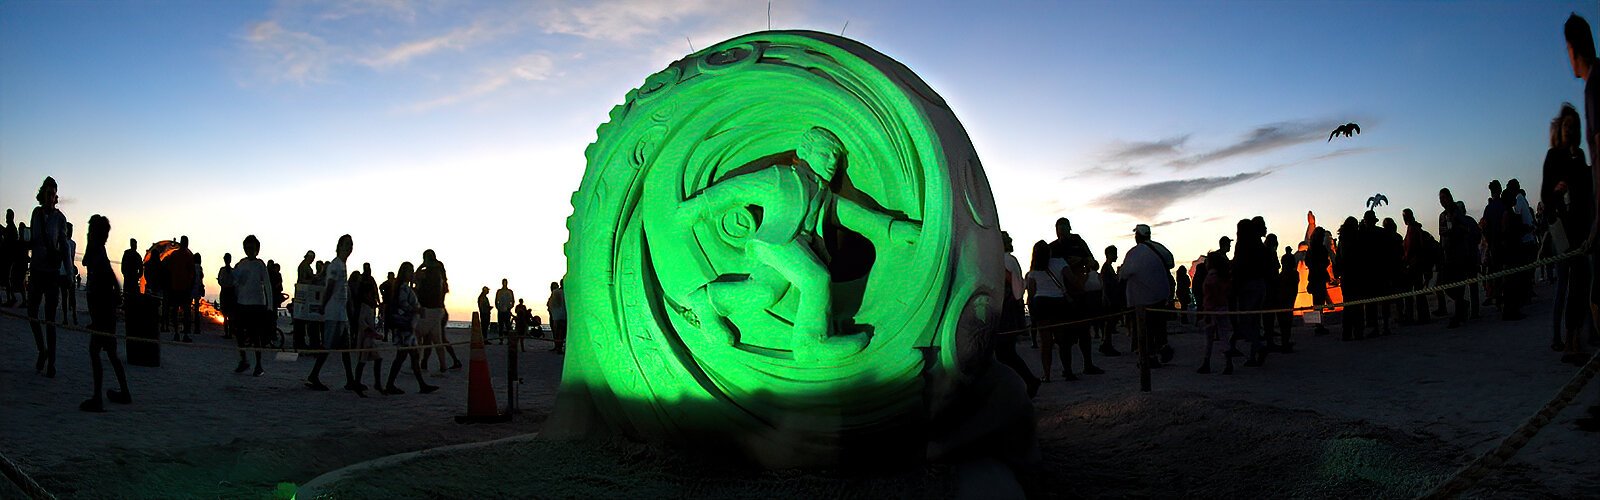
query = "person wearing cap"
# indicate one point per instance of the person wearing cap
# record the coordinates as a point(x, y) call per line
point(1146, 273)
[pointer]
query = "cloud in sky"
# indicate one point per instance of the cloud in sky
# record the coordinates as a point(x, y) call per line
point(1263, 139)
point(284, 55)
point(1140, 150)
point(1107, 171)
point(623, 20)
point(530, 67)
point(403, 53)
point(1169, 222)
point(1146, 201)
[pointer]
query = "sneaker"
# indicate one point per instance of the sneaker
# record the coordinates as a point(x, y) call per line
point(258, 372)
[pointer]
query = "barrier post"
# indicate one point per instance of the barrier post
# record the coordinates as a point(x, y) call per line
point(512, 380)
point(1142, 332)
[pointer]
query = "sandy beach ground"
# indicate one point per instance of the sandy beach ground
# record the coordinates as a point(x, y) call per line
point(1379, 418)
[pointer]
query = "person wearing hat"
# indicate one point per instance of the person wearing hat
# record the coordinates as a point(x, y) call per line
point(1146, 274)
point(483, 312)
point(49, 251)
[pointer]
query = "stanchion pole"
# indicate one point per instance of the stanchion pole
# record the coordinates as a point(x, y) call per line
point(1142, 326)
point(512, 380)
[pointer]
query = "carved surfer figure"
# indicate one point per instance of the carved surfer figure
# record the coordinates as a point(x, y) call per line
point(778, 214)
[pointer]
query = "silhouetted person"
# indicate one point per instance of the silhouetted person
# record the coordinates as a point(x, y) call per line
point(483, 310)
point(304, 327)
point(49, 253)
point(1012, 320)
point(1067, 246)
point(385, 293)
point(1047, 297)
point(197, 293)
point(253, 304)
point(557, 305)
point(1253, 265)
point(1285, 290)
point(69, 281)
point(1318, 258)
point(1185, 298)
point(1114, 300)
point(524, 321)
point(1580, 51)
point(1392, 267)
point(1568, 192)
point(1493, 221)
point(364, 325)
point(504, 300)
point(1198, 284)
point(8, 244)
point(1269, 299)
point(1353, 269)
point(401, 315)
point(1218, 284)
point(1517, 248)
point(1460, 253)
point(132, 271)
point(335, 321)
point(103, 296)
point(431, 286)
point(21, 261)
point(1083, 302)
point(1146, 273)
point(227, 295)
point(179, 265)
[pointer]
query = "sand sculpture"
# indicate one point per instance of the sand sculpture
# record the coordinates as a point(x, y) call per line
point(785, 245)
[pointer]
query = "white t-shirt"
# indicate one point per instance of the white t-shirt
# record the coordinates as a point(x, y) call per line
point(338, 286)
point(1015, 268)
point(251, 282)
point(1044, 285)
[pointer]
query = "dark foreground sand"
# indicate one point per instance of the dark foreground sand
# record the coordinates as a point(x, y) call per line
point(1387, 417)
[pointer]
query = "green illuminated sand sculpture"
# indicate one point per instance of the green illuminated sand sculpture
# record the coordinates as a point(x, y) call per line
point(784, 245)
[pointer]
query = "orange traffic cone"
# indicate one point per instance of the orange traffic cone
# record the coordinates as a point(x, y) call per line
point(481, 406)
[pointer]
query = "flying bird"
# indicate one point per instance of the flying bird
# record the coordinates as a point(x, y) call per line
point(1348, 129)
point(1376, 200)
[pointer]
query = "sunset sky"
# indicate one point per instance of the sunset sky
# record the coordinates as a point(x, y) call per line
point(460, 126)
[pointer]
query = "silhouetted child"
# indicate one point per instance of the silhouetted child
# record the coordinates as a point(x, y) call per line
point(255, 306)
point(103, 296)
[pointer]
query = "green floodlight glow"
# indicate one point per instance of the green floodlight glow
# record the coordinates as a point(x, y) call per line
point(783, 243)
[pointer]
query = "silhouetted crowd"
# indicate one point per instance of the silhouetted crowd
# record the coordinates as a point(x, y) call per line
point(163, 289)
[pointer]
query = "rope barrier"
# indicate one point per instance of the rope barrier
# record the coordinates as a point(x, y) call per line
point(79, 329)
point(1425, 291)
point(1480, 468)
point(23, 481)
